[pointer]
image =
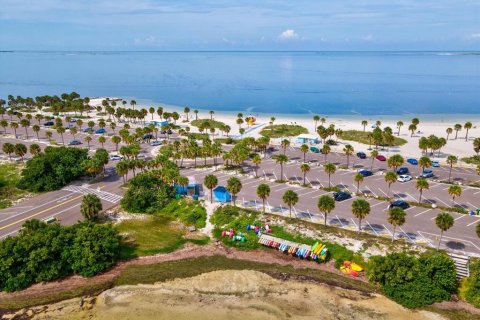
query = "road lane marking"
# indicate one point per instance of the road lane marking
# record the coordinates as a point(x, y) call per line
point(422, 212)
point(40, 212)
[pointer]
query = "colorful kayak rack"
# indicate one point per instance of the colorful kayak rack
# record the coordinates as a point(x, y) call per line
point(317, 252)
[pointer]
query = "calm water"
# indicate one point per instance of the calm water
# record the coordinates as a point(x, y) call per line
point(265, 82)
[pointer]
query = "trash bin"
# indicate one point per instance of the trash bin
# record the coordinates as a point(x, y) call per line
point(195, 197)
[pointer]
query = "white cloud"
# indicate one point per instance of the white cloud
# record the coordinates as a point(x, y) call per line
point(474, 36)
point(367, 37)
point(288, 34)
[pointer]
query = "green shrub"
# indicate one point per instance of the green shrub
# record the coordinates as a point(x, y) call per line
point(53, 169)
point(189, 212)
point(472, 284)
point(414, 282)
point(282, 130)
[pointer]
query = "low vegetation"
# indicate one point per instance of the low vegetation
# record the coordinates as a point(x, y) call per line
point(414, 281)
point(9, 178)
point(188, 211)
point(45, 252)
point(282, 130)
point(364, 137)
point(472, 160)
point(208, 123)
point(470, 287)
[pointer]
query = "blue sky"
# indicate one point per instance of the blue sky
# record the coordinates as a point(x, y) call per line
point(239, 25)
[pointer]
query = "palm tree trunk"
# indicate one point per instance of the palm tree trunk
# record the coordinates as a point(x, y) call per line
point(281, 172)
point(420, 200)
point(450, 173)
point(304, 176)
point(358, 187)
point(393, 235)
point(440, 240)
point(211, 195)
point(263, 200)
point(348, 161)
point(359, 224)
point(325, 218)
point(329, 184)
point(290, 214)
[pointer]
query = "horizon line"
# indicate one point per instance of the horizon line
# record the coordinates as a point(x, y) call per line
point(72, 50)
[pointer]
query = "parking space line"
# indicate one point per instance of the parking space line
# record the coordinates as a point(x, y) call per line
point(442, 201)
point(468, 225)
point(371, 228)
point(405, 234)
point(460, 217)
point(304, 194)
point(376, 204)
point(356, 226)
point(422, 212)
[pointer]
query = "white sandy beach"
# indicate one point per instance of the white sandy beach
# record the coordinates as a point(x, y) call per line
point(429, 124)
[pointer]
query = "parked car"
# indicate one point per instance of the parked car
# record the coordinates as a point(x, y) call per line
point(74, 143)
point(156, 143)
point(314, 150)
point(404, 178)
point(73, 120)
point(100, 131)
point(340, 196)
point(399, 203)
point(381, 158)
point(68, 126)
point(331, 142)
point(365, 173)
point(114, 157)
point(412, 161)
point(427, 174)
point(402, 170)
point(169, 131)
point(48, 123)
point(89, 130)
point(148, 136)
point(435, 164)
point(361, 155)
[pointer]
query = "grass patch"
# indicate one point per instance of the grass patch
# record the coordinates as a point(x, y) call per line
point(472, 160)
point(190, 212)
point(282, 130)
point(207, 123)
point(196, 136)
point(9, 177)
point(150, 235)
point(362, 137)
point(146, 274)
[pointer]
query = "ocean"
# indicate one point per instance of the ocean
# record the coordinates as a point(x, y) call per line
point(302, 83)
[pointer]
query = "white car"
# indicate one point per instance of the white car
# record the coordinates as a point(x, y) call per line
point(156, 143)
point(114, 157)
point(404, 178)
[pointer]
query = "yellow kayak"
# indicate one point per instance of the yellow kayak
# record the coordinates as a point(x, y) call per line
point(353, 266)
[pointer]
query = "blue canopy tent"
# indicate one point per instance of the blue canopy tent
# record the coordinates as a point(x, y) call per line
point(159, 123)
point(221, 194)
point(192, 189)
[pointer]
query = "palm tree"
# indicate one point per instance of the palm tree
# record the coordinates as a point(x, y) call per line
point(390, 177)
point(8, 148)
point(360, 210)
point(113, 125)
point(290, 198)
point(151, 110)
point(325, 150)
point(422, 184)
point(210, 181)
point(49, 135)
point(35, 149)
point(263, 192)
point(373, 155)
point(396, 217)
point(412, 128)
point(424, 162)
point(325, 204)
point(25, 123)
point(122, 168)
point(88, 139)
point(444, 221)
point(304, 149)
point(348, 149)
point(36, 129)
point(451, 160)
point(399, 125)
point(454, 191)
point(186, 110)
point(358, 179)
point(234, 185)
point(316, 118)
point(449, 132)
point(4, 124)
point(196, 114)
point(304, 167)
point(285, 144)
point(91, 206)
point(20, 150)
point(14, 126)
point(73, 132)
point(395, 161)
point(457, 128)
point(364, 124)
point(133, 103)
point(330, 169)
point(477, 230)
point(280, 159)
point(476, 145)
point(116, 140)
point(61, 131)
point(102, 140)
point(256, 160)
point(211, 112)
point(467, 126)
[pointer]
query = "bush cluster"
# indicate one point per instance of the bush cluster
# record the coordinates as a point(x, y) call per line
point(53, 169)
point(414, 281)
point(147, 193)
point(471, 286)
point(45, 252)
point(189, 212)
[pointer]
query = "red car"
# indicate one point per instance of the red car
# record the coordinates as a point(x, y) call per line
point(381, 158)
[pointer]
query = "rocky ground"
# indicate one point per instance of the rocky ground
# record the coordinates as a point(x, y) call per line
point(229, 294)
